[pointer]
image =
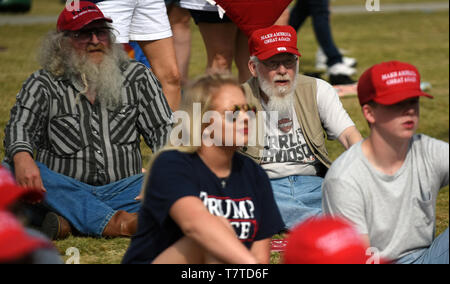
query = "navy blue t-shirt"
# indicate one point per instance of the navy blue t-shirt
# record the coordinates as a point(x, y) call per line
point(245, 198)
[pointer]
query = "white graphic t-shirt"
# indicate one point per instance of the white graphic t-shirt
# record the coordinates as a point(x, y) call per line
point(286, 151)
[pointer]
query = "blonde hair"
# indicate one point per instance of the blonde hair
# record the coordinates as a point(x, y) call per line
point(202, 91)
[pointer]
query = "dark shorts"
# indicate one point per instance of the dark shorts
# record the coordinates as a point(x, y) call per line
point(208, 17)
point(175, 2)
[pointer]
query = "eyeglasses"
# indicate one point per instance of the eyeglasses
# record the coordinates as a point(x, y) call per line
point(238, 109)
point(84, 36)
point(274, 64)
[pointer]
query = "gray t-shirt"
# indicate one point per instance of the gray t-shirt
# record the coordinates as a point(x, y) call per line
point(398, 212)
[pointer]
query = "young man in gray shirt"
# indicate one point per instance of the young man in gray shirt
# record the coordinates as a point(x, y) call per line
point(387, 185)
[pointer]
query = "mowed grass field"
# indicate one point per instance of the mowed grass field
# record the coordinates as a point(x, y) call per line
point(421, 38)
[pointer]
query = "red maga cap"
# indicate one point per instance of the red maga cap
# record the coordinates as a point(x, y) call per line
point(389, 83)
point(267, 42)
point(325, 240)
point(10, 192)
point(74, 17)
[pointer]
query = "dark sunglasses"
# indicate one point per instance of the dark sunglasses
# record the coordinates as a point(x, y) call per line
point(245, 108)
point(238, 109)
point(84, 36)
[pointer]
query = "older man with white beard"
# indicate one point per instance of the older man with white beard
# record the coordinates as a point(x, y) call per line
point(293, 153)
point(75, 129)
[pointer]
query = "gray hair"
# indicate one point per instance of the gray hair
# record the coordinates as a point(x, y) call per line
point(254, 59)
point(50, 56)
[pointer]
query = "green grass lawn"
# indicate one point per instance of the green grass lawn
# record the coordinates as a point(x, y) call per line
point(363, 2)
point(419, 38)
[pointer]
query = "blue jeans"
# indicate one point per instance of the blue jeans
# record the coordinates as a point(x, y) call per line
point(320, 13)
point(89, 208)
point(437, 253)
point(298, 198)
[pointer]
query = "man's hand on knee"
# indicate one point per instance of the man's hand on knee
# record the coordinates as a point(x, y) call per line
point(27, 172)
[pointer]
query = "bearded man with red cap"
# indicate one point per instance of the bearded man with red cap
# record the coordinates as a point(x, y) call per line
point(387, 185)
point(75, 129)
point(299, 108)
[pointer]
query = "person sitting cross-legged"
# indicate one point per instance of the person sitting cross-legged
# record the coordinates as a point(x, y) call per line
point(298, 109)
point(82, 116)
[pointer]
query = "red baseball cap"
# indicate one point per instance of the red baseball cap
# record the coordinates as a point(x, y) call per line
point(389, 83)
point(267, 42)
point(325, 240)
point(15, 243)
point(10, 192)
point(74, 17)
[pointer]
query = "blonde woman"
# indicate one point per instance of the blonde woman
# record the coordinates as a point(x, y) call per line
point(207, 204)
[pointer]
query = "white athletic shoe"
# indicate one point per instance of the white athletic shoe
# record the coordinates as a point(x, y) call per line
point(341, 69)
point(321, 61)
point(339, 74)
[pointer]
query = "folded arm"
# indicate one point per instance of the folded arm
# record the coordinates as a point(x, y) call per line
point(209, 231)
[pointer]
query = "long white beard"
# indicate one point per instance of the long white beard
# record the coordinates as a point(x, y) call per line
point(104, 79)
point(281, 98)
point(282, 104)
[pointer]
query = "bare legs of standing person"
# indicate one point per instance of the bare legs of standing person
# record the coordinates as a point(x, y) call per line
point(241, 56)
point(180, 21)
point(224, 42)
